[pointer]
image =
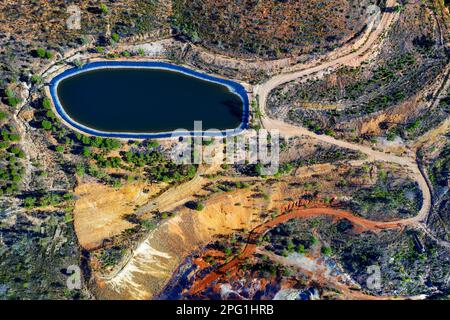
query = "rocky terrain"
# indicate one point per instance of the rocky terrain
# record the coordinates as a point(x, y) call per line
point(241, 28)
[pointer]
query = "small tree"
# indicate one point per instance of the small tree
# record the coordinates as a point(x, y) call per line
point(115, 37)
point(29, 202)
point(326, 251)
point(15, 150)
point(46, 104)
point(104, 8)
point(79, 170)
point(40, 53)
point(47, 125)
point(59, 149)
point(48, 55)
point(36, 79)
point(11, 98)
point(199, 206)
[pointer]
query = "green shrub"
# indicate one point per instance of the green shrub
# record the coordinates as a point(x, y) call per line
point(50, 199)
point(13, 101)
point(199, 206)
point(29, 202)
point(43, 54)
point(36, 79)
point(326, 251)
point(148, 225)
point(48, 55)
point(15, 150)
point(40, 53)
point(141, 52)
point(104, 8)
point(79, 170)
point(86, 152)
point(46, 103)
point(47, 125)
point(11, 98)
point(59, 149)
point(115, 37)
point(14, 137)
point(227, 251)
point(50, 114)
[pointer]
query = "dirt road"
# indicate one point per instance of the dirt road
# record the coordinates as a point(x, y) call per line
point(290, 213)
point(356, 57)
point(372, 155)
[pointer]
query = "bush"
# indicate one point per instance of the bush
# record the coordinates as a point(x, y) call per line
point(148, 225)
point(115, 37)
point(46, 104)
point(40, 53)
point(29, 202)
point(11, 98)
point(258, 169)
point(48, 55)
point(326, 251)
point(36, 79)
point(43, 54)
point(51, 199)
point(47, 125)
point(79, 170)
point(104, 8)
point(199, 206)
point(14, 137)
point(59, 149)
point(13, 101)
point(50, 114)
point(15, 150)
point(86, 152)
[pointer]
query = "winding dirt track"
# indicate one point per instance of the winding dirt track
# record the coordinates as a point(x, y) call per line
point(293, 212)
point(354, 58)
point(263, 91)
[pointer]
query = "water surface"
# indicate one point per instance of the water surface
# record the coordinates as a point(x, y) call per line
point(143, 100)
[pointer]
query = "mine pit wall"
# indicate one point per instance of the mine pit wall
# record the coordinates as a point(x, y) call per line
point(155, 260)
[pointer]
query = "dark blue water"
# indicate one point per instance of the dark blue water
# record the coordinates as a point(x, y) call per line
point(147, 101)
